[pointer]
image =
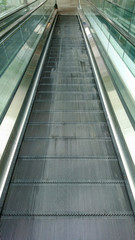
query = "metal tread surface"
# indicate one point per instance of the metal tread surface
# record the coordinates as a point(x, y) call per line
point(66, 228)
point(67, 199)
point(67, 130)
point(66, 117)
point(67, 147)
point(67, 183)
point(79, 170)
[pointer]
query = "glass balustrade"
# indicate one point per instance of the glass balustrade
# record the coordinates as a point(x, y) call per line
point(16, 50)
point(119, 50)
point(6, 6)
point(7, 20)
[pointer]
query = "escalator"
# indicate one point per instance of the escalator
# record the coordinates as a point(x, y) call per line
point(67, 182)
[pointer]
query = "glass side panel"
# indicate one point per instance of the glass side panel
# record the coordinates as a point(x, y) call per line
point(117, 41)
point(122, 12)
point(6, 6)
point(97, 19)
point(11, 18)
point(129, 57)
point(28, 27)
point(120, 52)
point(16, 50)
point(108, 10)
point(105, 26)
point(132, 26)
point(128, 4)
point(3, 58)
point(124, 19)
point(12, 44)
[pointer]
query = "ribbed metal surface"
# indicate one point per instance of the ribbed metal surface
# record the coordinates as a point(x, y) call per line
point(67, 170)
point(66, 147)
point(68, 228)
point(67, 199)
point(70, 130)
point(67, 117)
point(67, 183)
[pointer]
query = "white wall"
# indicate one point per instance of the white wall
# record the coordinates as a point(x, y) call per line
point(67, 3)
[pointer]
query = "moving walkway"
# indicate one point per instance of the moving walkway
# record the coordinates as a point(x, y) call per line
point(67, 182)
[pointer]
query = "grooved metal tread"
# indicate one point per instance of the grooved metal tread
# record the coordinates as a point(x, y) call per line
point(67, 183)
point(71, 169)
point(67, 199)
point(67, 130)
point(65, 228)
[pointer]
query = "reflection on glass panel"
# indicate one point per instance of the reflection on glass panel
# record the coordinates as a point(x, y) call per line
point(98, 3)
point(28, 27)
point(13, 43)
point(124, 18)
point(108, 9)
point(9, 20)
point(132, 27)
point(3, 58)
point(105, 31)
point(10, 48)
point(130, 50)
point(105, 26)
point(125, 4)
point(9, 5)
point(16, 51)
point(97, 20)
point(129, 56)
point(120, 41)
point(117, 48)
point(13, 17)
point(121, 12)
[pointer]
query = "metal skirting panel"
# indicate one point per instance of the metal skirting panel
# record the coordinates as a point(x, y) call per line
point(67, 183)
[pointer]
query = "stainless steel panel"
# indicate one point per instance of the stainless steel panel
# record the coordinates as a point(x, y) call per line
point(76, 170)
point(67, 199)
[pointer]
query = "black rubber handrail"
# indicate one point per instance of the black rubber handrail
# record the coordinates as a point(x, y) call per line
point(117, 27)
point(20, 20)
